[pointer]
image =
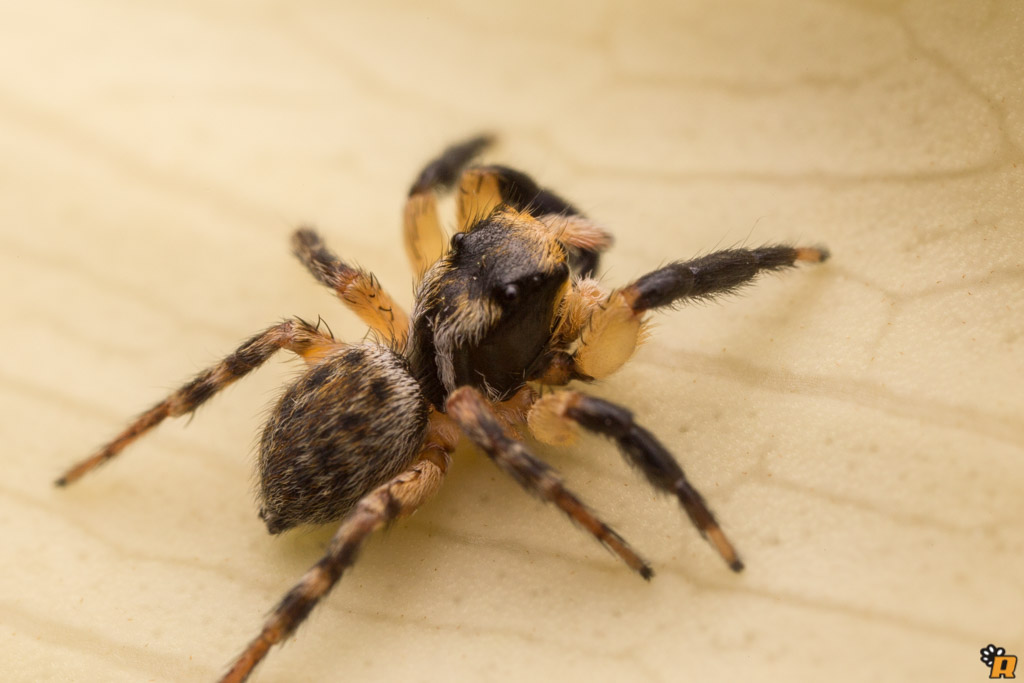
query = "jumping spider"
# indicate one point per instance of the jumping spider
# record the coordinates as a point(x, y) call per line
point(365, 434)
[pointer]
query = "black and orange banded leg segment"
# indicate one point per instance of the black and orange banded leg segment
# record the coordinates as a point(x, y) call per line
point(424, 237)
point(359, 290)
point(475, 417)
point(483, 188)
point(721, 272)
point(639, 447)
point(442, 173)
point(295, 335)
point(615, 329)
point(396, 498)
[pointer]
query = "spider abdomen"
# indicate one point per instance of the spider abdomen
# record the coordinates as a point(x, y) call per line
point(348, 424)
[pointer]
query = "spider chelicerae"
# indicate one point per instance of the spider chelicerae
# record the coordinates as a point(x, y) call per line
point(507, 307)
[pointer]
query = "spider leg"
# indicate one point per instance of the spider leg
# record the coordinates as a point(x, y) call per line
point(554, 416)
point(475, 417)
point(585, 239)
point(722, 272)
point(295, 335)
point(616, 327)
point(398, 497)
point(483, 188)
point(357, 289)
point(424, 238)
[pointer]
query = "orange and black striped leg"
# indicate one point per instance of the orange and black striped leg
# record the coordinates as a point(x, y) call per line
point(398, 497)
point(357, 289)
point(424, 238)
point(585, 239)
point(475, 417)
point(484, 188)
point(615, 329)
point(295, 335)
point(722, 272)
point(553, 418)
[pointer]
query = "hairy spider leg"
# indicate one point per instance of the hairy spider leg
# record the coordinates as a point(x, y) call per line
point(616, 328)
point(553, 420)
point(483, 188)
point(721, 272)
point(474, 415)
point(357, 289)
point(295, 335)
point(398, 497)
point(424, 237)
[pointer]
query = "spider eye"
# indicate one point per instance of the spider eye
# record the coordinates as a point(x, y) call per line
point(457, 240)
point(509, 293)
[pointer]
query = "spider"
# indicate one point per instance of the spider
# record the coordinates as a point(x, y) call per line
point(506, 308)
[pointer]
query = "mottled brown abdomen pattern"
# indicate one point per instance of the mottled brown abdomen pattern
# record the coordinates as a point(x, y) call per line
point(347, 425)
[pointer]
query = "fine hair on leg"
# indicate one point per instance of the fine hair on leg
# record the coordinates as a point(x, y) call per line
point(618, 326)
point(296, 335)
point(477, 420)
point(423, 235)
point(718, 273)
point(398, 497)
point(358, 289)
point(551, 420)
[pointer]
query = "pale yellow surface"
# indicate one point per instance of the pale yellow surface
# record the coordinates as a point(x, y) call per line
point(858, 427)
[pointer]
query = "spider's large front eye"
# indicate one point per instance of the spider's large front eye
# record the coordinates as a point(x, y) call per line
point(457, 240)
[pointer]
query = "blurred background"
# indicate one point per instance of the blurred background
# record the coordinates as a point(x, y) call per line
point(857, 427)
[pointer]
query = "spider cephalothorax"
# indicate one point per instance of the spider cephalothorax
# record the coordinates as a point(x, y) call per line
point(485, 311)
point(365, 434)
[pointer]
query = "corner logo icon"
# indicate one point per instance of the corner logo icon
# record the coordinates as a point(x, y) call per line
point(1000, 664)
